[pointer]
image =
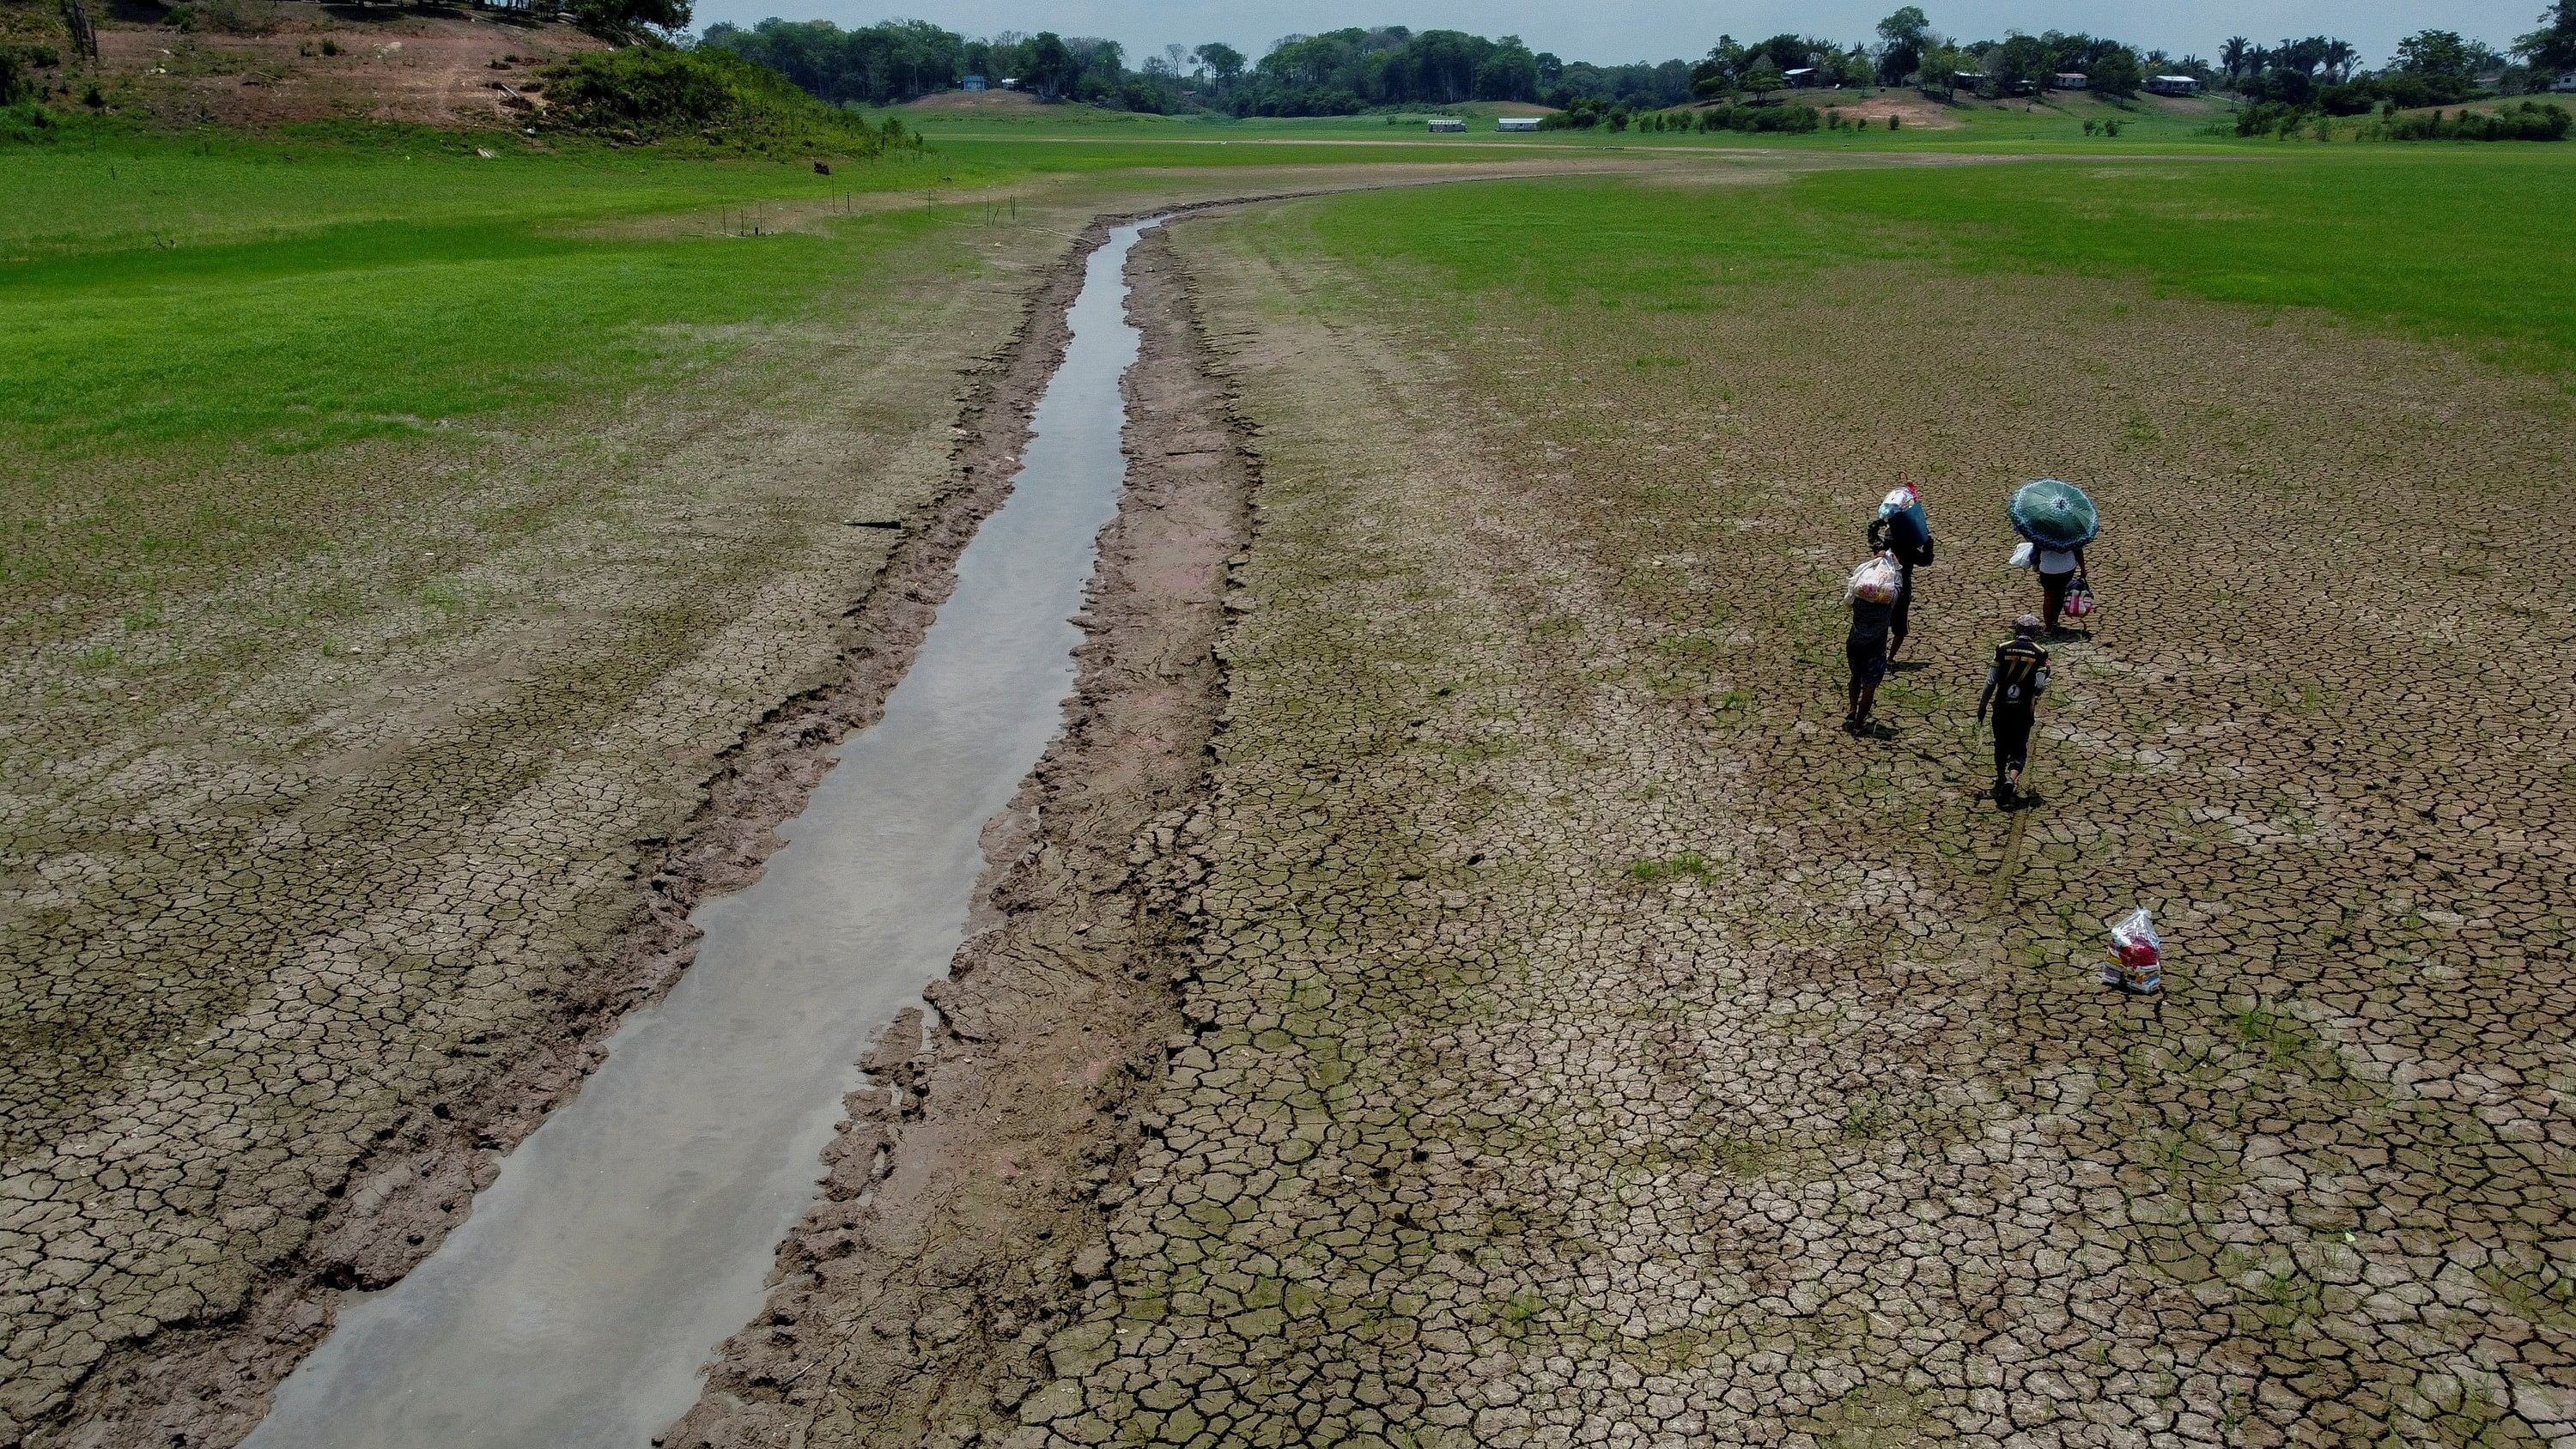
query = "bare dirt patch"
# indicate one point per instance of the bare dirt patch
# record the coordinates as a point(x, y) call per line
point(433, 67)
point(980, 103)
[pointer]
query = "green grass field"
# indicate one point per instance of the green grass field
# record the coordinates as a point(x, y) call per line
point(199, 295)
point(2435, 241)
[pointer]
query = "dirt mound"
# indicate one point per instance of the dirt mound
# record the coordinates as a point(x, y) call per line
point(260, 64)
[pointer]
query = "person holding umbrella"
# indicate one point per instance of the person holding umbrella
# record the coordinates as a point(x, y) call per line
point(2057, 520)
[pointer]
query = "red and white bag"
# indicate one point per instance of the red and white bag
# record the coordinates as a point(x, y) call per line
point(2079, 599)
point(2137, 955)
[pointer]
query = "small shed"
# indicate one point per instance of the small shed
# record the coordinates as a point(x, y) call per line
point(2070, 80)
point(1968, 80)
point(2021, 88)
point(2566, 81)
point(975, 83)
point(1801, 78)
point(2173, 85)
point(1516, 123)
point(1448, 126)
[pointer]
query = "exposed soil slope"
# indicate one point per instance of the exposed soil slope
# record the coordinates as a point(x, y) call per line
point(430, 65)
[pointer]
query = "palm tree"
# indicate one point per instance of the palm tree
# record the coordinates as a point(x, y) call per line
point(2339, 57)
point(2233, 55)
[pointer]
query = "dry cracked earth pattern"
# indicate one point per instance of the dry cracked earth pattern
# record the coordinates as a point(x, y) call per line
point(1580, 1040)
point(322, 891)
point(287, 960)
point(1594, 1046)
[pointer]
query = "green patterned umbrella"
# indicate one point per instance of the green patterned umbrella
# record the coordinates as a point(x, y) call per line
point(2053, 514)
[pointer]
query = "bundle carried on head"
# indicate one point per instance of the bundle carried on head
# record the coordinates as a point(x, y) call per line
point(1876, 581)
point(1909, 524)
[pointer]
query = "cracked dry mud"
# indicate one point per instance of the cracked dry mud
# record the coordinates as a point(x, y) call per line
point(1592, 1045)
point(290, 953)
point(386, 910)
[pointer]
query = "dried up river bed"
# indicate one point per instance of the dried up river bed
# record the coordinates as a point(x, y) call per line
point(1448, 982)
point(634, 1231)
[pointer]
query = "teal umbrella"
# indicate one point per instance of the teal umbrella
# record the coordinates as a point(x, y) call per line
point(2053, 514)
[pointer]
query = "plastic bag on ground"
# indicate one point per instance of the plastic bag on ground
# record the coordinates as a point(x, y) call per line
point(2137, 954)
point(1875, 580)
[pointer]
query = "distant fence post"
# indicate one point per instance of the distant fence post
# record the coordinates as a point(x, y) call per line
point(84, 35)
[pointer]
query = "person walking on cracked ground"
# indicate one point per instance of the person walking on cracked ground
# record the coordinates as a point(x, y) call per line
point(2013, 685)
point(1903, 531)
point(1872, 594)
point(2059, 570)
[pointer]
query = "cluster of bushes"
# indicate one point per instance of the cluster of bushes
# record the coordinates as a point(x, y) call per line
point(1585, 114)
point(2404, 90)
point(18, 64)
point(2529, 121)
point(224, 17)
point(657, 93)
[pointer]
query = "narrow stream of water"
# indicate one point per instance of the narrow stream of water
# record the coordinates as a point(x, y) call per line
point(634, 1231)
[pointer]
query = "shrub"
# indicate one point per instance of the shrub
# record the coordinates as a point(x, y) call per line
point(2269, 118)
point(1894, 121)
point(13, 82)
point(2529, 121)
point(225, 17)
point(656, 92)
point(330, 46)
point(624, 19)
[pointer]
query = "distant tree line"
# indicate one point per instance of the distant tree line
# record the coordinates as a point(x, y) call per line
point(1341, 72)
point(904, 60)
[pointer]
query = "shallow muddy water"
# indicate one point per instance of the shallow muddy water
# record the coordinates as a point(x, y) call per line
point(635, 1230)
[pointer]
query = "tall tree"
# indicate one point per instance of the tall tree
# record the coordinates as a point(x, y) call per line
point(1902, 37)
point(2233, 56)
point(2436, 53)
point(1223, 62)
point(2551, 48)
point(2116, 72)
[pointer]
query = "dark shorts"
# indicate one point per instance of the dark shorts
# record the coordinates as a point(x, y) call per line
point(1901, 622)
point(1867, 656)
point(2012, 741)
point(2052, 591)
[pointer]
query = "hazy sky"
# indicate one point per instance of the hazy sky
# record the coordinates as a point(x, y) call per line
point(1625, 30)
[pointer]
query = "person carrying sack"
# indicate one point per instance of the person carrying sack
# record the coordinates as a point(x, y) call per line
point(1872, 594)
point(1902, 531)
point(2014, 683)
